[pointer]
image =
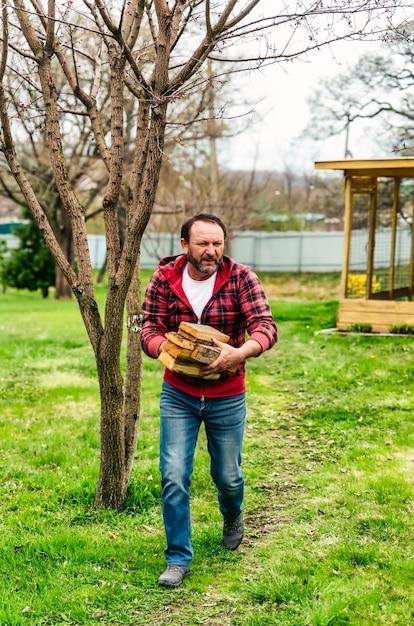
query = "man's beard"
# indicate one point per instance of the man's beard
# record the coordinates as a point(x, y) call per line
point(200, 268)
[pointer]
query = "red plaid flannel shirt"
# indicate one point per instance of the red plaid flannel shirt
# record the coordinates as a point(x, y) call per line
point(238, 306)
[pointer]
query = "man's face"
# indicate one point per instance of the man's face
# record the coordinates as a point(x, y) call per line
point(205, 249)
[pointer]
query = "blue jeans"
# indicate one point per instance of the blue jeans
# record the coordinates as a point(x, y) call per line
point(181, 417)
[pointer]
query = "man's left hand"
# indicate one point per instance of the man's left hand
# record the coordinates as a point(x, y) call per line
point(230, 357)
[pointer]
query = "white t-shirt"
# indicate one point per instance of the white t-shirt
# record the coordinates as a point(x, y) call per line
point(198, 292)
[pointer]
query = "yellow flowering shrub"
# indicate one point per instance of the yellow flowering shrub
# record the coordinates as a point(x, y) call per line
point(357, 284)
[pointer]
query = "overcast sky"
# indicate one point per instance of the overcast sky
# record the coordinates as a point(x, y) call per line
point(280, 93)
point(281, 112)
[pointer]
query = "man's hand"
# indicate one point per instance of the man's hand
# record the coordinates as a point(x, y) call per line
point(231, 357)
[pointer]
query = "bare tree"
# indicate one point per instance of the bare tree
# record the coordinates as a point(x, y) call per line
point(380, 87)
point(154, 50)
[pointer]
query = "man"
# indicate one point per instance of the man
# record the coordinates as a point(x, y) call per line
point(202, 285)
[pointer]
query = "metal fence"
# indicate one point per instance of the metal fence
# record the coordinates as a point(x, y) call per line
point(277, 251)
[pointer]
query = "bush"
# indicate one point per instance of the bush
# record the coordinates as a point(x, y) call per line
point(31, 265)
point(402, 329)
point(356, 286)
point(359, 327)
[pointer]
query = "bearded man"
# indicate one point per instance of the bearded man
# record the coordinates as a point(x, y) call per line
point(205, 286)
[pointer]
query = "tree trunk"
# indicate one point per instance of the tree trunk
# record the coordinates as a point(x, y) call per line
point(134, 367)
point(212, 137)
point(62, 227)
point(111, 486)
point(100, 279)
point(62, 287)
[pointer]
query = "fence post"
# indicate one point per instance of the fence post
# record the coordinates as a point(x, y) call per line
point(300, 252)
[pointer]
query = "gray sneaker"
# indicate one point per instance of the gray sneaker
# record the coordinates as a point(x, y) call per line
point(173, 576)
point(233, 533)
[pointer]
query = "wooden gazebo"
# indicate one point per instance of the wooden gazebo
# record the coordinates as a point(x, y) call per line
point(378, 260)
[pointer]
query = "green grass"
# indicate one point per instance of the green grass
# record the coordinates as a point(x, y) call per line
point(329, 505)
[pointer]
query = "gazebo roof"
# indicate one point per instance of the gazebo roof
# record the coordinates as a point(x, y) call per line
point(403, 167)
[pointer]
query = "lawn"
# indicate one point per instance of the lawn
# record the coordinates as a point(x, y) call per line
point(328, 459)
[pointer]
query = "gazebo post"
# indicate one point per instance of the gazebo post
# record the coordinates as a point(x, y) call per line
point(393, 236)
point(371, 240)
point(347, 235)
point(411, 277)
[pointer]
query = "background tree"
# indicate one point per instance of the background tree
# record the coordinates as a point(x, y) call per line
point(26, 106)
point(30, 265)
point(380, 87)
point(154, 51)
point(191, 179)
